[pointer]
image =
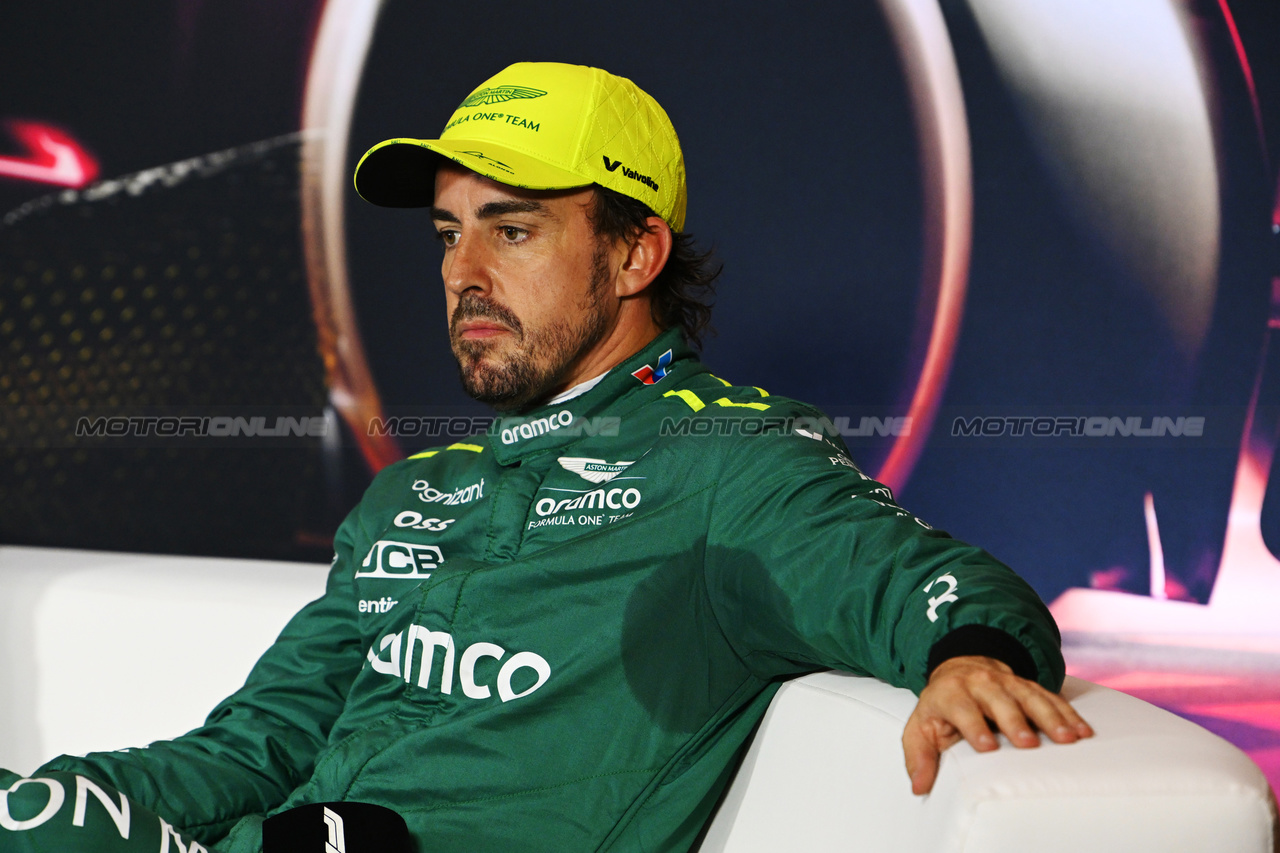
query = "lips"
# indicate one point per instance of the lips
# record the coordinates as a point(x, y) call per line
point(477, 330)
point(477, 318)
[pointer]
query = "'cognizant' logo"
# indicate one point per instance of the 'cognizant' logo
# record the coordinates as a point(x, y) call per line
point(538, 426)
point(464, 495)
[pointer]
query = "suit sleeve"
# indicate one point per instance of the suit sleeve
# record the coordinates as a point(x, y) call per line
point(261, 742)
point(811, 564)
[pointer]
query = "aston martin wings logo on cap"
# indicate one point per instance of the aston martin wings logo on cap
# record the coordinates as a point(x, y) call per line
point(500, 94)
point(593, 470)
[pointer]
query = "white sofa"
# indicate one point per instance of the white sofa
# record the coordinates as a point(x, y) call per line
point(102, 650)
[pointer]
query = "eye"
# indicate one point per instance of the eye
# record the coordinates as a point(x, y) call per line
point(512, 234)
point(447, 237)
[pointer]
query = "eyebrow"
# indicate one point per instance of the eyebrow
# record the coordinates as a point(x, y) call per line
point(495, 208)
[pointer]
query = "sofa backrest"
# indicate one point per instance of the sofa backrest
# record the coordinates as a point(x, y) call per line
point(101, 650)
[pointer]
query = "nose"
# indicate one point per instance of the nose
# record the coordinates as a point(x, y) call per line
point(466, 267)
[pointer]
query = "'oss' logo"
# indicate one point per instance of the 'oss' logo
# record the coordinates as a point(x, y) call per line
point(400, 560)
point(409, 518)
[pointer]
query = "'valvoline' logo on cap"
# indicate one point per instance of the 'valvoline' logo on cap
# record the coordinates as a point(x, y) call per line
point(612, 166)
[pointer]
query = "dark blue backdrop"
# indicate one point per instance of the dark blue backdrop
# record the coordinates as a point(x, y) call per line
point(801, 152)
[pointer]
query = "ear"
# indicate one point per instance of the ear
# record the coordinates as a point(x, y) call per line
point(646, 256)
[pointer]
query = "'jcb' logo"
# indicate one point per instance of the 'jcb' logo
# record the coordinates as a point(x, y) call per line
point(400, 560)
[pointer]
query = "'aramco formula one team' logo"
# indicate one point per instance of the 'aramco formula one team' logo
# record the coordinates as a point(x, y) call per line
point(500, 94)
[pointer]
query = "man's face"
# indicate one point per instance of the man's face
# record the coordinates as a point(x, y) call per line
point(527, 284)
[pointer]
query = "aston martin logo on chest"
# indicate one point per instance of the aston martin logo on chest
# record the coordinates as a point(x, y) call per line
point(593, 470)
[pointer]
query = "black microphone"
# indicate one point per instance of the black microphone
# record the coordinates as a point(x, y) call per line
point(336, 828)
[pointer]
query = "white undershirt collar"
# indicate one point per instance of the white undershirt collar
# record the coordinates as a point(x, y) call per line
point(576, 391)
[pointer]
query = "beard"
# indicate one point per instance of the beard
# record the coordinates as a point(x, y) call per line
point(542, 356)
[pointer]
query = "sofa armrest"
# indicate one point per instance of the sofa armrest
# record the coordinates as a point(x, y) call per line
point(825, 773)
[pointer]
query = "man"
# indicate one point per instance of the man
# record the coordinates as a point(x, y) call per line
point(560, 634)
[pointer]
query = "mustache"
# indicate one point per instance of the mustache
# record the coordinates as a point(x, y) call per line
point(473, 306)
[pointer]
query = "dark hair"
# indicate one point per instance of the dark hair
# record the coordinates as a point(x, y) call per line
point(680, 294)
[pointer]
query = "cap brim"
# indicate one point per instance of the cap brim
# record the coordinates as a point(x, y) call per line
point(401, 172)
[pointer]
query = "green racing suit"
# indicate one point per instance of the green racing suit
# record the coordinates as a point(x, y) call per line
point(560, 634)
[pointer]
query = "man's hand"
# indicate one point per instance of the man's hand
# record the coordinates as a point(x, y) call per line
point(965, 692)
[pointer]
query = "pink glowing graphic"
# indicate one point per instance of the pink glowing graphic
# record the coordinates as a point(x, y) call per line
point(1241, 613)
point(1246, 69)
point(938, 104)
point(53, 157)
point(339, 54)
point(1217, 664)
point(338, 57)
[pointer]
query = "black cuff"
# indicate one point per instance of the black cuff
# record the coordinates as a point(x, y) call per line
point(986, 641)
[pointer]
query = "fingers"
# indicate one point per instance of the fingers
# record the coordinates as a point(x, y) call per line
point(970, 717)
point(962, 696)
point(921, 756)
point(1071, 720)
point(1016, 706)
point(968, 692)
point(1010, 716)
point(1048, 712)
point(923, 741)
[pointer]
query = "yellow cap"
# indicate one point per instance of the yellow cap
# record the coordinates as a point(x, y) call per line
point(543, 126)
